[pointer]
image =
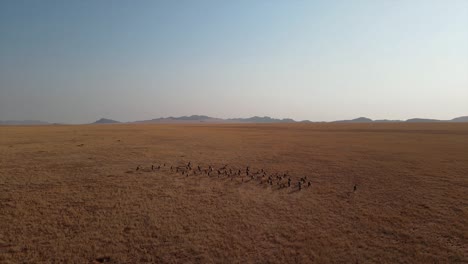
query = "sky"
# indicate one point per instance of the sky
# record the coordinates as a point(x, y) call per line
point(77, 61)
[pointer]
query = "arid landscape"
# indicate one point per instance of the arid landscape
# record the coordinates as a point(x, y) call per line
point(379, 193)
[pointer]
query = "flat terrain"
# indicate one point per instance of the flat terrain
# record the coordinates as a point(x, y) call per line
point(72, 194)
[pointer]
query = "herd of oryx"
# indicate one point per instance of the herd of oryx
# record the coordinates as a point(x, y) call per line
point(242, 174)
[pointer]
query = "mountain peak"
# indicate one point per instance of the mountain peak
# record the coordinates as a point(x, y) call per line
point(356, 120)
point(106, 121)
point(460, 119)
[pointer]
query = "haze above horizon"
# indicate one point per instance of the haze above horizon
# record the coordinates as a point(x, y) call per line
point(77, 61)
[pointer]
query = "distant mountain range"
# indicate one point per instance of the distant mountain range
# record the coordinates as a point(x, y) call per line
point(267, 119)
point(258, 119)
point(411, 120)
point(182, 119)
point(23, 122)
point(255, 119)
point(207, 119)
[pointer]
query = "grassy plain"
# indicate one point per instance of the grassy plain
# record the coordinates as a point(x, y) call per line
point(71, 194)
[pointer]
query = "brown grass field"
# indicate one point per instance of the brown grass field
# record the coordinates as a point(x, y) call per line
point(72, 194)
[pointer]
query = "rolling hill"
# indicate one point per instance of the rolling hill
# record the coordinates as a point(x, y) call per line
point(106, 121)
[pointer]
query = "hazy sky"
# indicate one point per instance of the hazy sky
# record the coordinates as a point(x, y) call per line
point(77, 61)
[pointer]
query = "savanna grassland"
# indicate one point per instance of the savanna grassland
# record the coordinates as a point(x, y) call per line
point(73, 194)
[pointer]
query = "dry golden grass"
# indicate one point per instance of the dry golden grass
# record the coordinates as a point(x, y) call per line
point(71, 194)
